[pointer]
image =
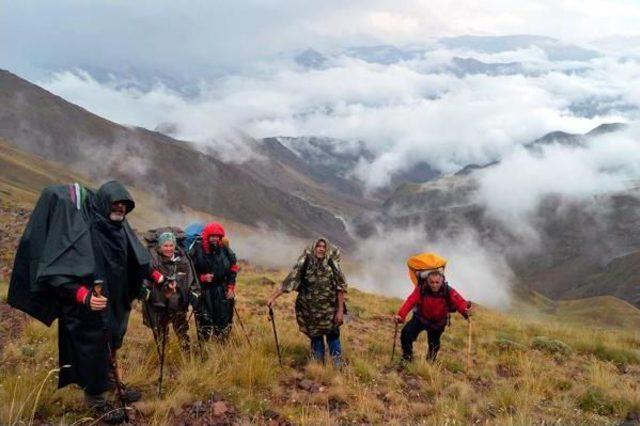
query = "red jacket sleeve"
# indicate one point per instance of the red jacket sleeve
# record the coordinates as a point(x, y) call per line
point(457, 301)
point(156, 276)
point(81, 293)
point(411, 301)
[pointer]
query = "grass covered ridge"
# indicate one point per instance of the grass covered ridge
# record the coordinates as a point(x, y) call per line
point(524, 371)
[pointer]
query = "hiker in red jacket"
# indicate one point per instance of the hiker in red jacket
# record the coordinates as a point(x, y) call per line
point(217, 268)
point(433, 300)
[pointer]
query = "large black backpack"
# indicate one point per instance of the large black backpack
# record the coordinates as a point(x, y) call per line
point(151, 236)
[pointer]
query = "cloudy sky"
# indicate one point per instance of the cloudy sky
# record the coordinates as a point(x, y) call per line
point(399, 76)
point(206, 37)
point(220, 70)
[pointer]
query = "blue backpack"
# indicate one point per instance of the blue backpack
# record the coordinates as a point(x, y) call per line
point(193, 235)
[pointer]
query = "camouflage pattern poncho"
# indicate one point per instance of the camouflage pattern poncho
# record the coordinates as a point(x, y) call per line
point(317, 286)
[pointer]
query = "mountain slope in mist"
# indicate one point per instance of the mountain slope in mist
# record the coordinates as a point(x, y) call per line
point(37, 121)
point(335, 162)
point(564, 247)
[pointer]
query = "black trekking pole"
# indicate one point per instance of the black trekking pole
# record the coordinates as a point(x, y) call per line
point(395, 338)
point(241, 324)
point(97, 290)
point(194, 308)
point(275, 334)
point(147, 310)
point(165, 328)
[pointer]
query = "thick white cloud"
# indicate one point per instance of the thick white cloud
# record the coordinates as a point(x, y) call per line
point(405, 112)
point(473, 268)
point(606, 163)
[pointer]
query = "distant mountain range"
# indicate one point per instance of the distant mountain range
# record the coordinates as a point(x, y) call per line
point(306, 187)
point(554, 50)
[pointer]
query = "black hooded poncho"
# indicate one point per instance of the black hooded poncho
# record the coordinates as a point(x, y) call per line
point(68, 242)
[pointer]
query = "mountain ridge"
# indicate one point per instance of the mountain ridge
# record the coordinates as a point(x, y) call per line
point(42, 123)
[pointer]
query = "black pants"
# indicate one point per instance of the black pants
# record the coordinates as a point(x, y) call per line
point(180, 327)
point(214, 315)
point(158, 320)
point(412, 330)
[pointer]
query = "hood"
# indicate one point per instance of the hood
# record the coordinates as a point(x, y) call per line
point(312, 248)
point(108, 194)
point(213, 228)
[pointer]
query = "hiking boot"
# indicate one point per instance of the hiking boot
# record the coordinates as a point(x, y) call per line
point(402, 364)
point(130, 395)
point(106, 413)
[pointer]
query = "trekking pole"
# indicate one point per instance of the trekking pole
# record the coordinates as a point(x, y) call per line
point(395, 338)
point(195, 321)
point(275, 333)
point(241, 324)
point(165, 328)
point(97, 290)
point(147, 311)
point(469, 348)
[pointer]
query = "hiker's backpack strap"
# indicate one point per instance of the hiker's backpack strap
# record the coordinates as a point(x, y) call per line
point(446, 294)
point(337, 272)
point(304, 286)
point(447, 298)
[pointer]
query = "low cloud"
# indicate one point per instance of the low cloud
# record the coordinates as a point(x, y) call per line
point(513, 189)
point(473, 269)
point(405, 113)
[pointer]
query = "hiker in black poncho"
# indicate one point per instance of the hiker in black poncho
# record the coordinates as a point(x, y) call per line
point(75, 240)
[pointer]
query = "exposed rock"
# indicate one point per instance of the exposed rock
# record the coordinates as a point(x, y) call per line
point(220, 408)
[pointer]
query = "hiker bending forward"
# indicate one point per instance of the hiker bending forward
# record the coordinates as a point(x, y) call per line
point(174, 285)
point(321, 288)
point(432, 299)
point(216, 267)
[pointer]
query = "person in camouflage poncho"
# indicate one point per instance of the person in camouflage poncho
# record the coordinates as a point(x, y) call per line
point(321, 288)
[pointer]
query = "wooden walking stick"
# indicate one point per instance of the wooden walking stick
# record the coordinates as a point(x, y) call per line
point(275, 334)
point(241, 324)
point(113, 360)
point(469, 348)
point(395, 338)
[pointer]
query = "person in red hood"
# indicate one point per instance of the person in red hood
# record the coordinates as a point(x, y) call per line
point(432, 299)
point(216, 268)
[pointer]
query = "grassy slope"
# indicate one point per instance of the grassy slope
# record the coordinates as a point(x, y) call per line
point(609, 311)
point(517, 377)
point(23, 175)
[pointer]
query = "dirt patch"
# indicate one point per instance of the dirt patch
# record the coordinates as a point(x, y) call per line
point(13, 220)
point(214, 411)
point(12, 322)
point(217, 411)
